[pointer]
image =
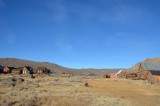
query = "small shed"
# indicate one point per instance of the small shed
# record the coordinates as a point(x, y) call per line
point(121, 74)
point(153, 77)
point(43, 70)
point(34, 71)
point(7, 69)
point(131, 74)
point(27, 70)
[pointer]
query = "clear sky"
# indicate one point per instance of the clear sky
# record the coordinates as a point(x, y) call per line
point(81, 33)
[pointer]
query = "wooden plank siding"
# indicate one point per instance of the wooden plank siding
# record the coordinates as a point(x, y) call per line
point(143, 73)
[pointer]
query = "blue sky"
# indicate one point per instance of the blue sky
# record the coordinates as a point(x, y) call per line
point(81, 33)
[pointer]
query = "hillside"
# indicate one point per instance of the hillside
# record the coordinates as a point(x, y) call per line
point(53, 67)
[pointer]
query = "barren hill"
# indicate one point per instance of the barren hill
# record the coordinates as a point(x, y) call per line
point(53, 67)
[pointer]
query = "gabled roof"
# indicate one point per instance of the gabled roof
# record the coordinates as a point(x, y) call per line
point(151, 66)
point(119, 71)
point(129, 71)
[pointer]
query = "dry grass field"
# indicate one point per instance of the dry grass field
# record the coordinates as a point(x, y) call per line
point(61, 91)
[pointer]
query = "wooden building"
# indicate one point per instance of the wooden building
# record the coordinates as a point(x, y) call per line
point(34, 71)
point(22, 70)
point(153, 77)
point(121, 74)
point(43, 70)
point(149, 72)
point(7, 70)
point(131, 76)
point(27, 70)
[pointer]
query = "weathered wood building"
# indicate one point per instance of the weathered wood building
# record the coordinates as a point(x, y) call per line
point(7, 69)
point(149, 72)
point(121, 74)
point(27, 70)
point(22, 70)
point(43, 70)
point(34, 71)
point(131, 74)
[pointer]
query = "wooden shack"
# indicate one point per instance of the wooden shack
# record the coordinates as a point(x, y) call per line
point(43, 70)
point(7, 69)
point(121, 74)
point(34, 71)
point(27, 70)
point(149, 72)
point(153, 77)
point(131, 76)
point(22, 70)
point(142, 74)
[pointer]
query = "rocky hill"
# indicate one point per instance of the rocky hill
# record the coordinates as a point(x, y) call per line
point(53, 67)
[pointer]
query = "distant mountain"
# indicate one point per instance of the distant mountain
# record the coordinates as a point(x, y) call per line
point(53, 67)
point(148, 60)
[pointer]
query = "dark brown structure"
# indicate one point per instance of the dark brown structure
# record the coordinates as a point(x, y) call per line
point(106, 76)
point(43, 70)
point(34, 71)
point(27, 70)
point(22, 70)
point(7, 70)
